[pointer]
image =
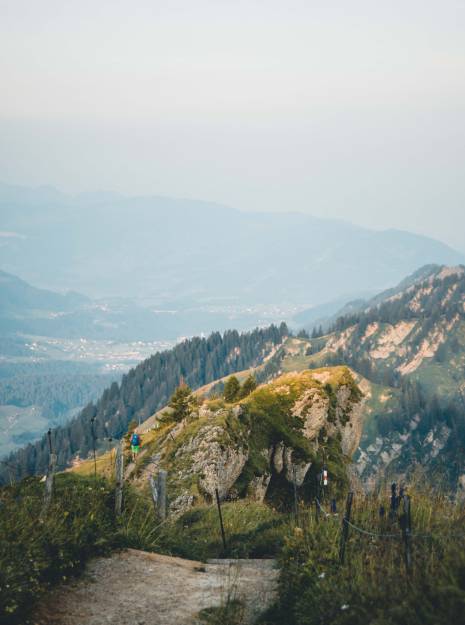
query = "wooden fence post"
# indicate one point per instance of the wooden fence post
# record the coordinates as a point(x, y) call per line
point(317, 499)
point(223, 537)
point(394, 501)
point(296, 512)
point(345, 527)
point(406, 525)
point(162, 494)
point(50, 476)
point(92, 421)
point(119, 474)
point(154, 491)
point(158, 490)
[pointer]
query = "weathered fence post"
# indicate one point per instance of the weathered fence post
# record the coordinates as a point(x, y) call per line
point(295, 496)
point(92, 421)
point(50, 476)
point(119, 474)
point(394, 501)
point(223, 537)
point(345, 527)
point(162, 494)
point(406, 525)
point(317, 498)
point(154, 491)
point(158, 490)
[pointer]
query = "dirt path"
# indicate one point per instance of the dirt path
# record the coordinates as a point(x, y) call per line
point(140, 588)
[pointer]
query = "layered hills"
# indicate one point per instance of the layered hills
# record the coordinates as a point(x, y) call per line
point(404, 352)
point(179, 253)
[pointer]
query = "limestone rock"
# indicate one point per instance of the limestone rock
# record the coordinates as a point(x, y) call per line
point(295, 470)
point(258, 486)
point(181, 504)
point(216, 461)
point(312, 406)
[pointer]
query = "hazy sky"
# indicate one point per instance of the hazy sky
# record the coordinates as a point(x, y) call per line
point(352, 110)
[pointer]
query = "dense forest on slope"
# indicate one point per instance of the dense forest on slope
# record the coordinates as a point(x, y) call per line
point(55, 394)
point(145, 389)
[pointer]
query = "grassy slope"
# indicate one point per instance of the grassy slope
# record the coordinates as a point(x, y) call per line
point(35, 554)
point(372, 586)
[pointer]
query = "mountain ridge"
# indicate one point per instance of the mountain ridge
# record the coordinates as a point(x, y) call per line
point(167, 250)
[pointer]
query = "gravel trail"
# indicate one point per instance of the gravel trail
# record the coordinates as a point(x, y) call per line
point(140, 588)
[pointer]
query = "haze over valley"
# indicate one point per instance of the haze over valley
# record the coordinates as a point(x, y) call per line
point(232, 312)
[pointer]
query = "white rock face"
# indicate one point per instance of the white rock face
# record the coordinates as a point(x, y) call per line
point(259, 486)
point(218, 463)
point(313, 408)
point(181, 503)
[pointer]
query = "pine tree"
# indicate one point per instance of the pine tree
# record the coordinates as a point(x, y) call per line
point(250, 384)
point(231, 389)
point(182, 403)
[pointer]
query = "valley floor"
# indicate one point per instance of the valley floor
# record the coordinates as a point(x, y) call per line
point(140, 588)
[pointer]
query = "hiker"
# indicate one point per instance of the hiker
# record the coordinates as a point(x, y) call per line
point(135, 445)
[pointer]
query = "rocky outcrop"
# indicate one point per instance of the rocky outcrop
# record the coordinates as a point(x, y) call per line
point(213, 459)
point(258, 486)
point(276, 433)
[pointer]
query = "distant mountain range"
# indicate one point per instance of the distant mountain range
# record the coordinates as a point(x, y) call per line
point(179, 253)
point(27, 310)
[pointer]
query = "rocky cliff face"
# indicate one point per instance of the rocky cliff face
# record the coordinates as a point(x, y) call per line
point(407, 333)
point(410, 347)
point(261, 446)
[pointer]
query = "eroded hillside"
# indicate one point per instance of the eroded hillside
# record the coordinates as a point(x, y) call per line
point(409, 348)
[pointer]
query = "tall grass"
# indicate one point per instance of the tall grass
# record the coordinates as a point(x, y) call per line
point(35, 552)
point(373, 585)
point(253, 530)
point(314, 588)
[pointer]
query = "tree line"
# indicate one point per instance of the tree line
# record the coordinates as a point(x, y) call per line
point(144, 390)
